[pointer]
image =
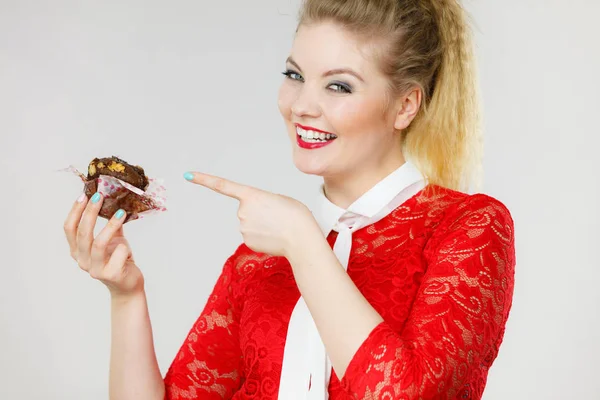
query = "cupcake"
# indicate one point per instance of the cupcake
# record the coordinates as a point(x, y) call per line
point(124, 186)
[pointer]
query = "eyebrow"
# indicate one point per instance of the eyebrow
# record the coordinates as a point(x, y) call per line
point(330, 72)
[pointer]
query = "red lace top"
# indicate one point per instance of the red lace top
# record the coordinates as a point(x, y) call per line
point(439, 269)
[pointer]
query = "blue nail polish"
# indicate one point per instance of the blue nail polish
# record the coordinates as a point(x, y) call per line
point(119, 214)
point(188, 176)
point(95, 198)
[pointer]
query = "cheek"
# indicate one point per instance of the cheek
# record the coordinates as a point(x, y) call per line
point(354, 116)
point(285, 100)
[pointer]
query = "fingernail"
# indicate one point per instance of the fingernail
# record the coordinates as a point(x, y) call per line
point(188, 176)
point(119, 214)
point(81, 198)
point(95, 198)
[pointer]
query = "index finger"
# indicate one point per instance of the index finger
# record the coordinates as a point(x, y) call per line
point(219, 185)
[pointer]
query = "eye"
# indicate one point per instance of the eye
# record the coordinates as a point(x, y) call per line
point(337, 87)
point(340, 87)
point(293, 75)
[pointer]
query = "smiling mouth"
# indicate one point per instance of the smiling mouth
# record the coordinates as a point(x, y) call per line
point(311, 135)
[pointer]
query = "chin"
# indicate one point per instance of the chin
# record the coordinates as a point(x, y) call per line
point(310, 165)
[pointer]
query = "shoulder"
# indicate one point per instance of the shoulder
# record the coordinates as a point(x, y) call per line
point(474, 245)
point(484, 212)
point(472, 219)
point(448, 207)
point(487, 209)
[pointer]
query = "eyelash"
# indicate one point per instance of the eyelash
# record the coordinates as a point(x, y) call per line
point(343, 87)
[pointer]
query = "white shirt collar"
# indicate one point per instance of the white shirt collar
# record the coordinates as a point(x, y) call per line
point(327, 214)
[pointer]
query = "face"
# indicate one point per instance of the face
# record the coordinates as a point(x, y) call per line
point(333, 101)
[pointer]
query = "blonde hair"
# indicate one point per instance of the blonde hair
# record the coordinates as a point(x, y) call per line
point(427, 44)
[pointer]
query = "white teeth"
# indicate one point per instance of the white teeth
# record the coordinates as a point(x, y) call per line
point(314, 137)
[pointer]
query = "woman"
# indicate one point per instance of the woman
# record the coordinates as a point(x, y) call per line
point(398, 287)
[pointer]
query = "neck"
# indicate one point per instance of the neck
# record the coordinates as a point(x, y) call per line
point(345, 190)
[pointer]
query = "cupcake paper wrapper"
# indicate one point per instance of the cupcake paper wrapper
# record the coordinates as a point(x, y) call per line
point(155, 195)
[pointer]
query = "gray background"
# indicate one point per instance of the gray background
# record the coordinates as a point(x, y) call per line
point(185, 85)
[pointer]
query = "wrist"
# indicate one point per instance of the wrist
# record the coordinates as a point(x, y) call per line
point(124, 300)
point(313, 246)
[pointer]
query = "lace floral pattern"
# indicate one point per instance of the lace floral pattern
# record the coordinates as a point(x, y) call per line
point(439, 270)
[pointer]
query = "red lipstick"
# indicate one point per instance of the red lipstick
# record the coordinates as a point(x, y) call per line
point(312, 145)
point(310, 128)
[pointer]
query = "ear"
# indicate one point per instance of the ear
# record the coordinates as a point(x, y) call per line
point(408, 107)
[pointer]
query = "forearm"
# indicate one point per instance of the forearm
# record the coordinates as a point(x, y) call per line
point(341, 313)
point(134, 371)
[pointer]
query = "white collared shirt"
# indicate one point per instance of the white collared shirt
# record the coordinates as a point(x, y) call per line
point(404, 182)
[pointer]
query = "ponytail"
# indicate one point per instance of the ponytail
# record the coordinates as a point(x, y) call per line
point(445, 141)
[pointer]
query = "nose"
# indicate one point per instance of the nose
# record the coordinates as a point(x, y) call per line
point(306, 103)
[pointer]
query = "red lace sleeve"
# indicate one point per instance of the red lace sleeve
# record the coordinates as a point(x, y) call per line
point(457, 320)
point(209, 363)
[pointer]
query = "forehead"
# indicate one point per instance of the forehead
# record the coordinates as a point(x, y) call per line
point(325, 45)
